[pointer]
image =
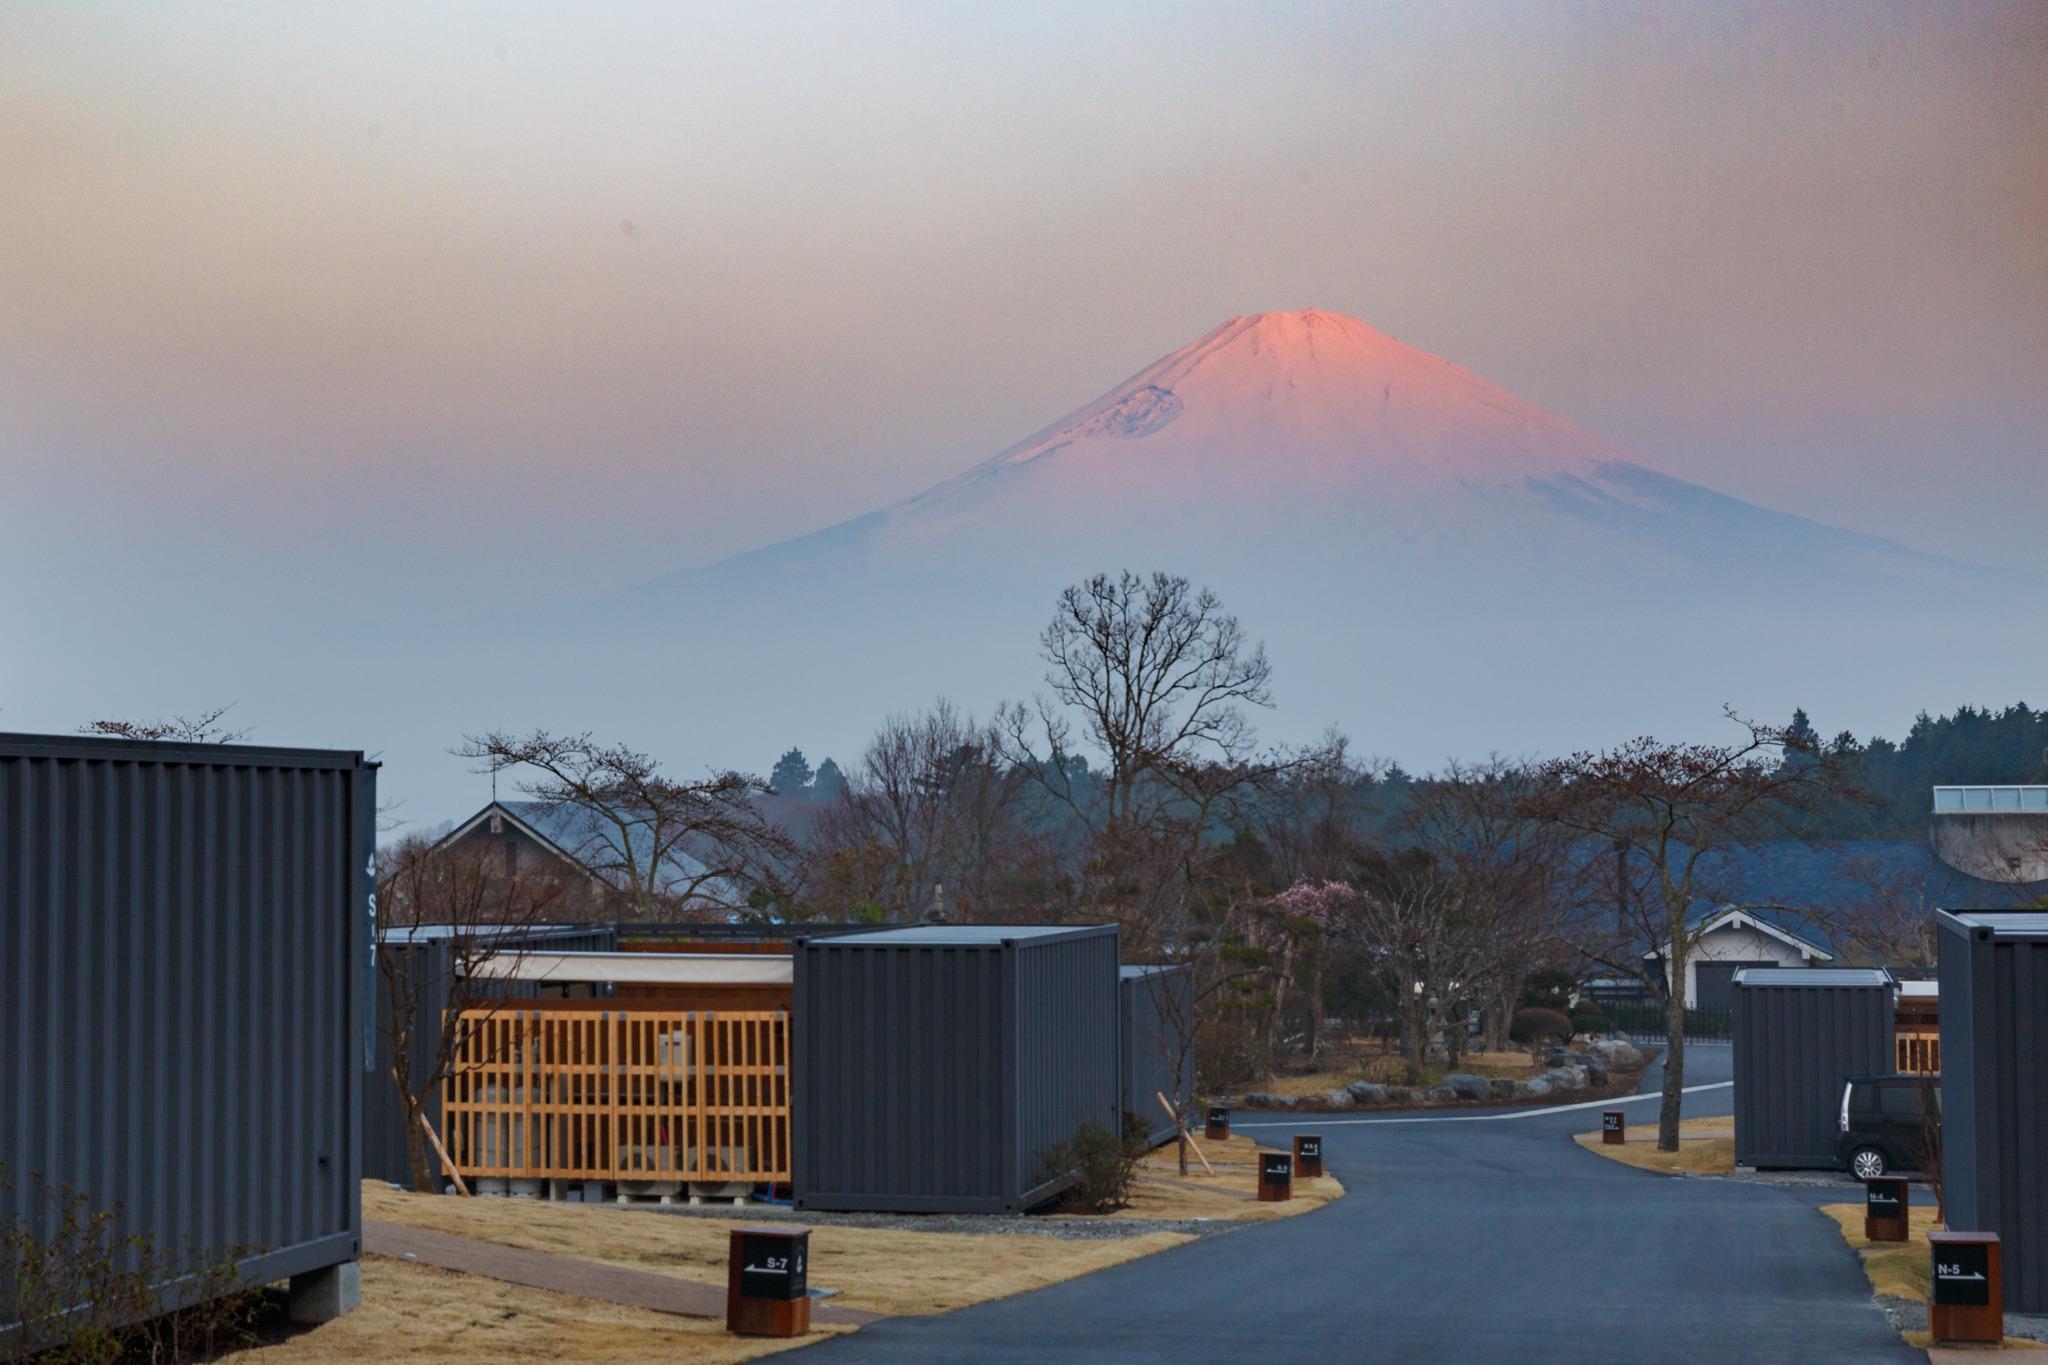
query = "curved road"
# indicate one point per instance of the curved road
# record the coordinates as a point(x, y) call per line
point(1474, 1237)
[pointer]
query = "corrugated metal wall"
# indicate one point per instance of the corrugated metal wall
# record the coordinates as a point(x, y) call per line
point(384, 1137)
point(1156, 1025)
point(1994, 1090)
point(930, 1075)
point(185, 940)
point(1068, 1065)
point(1794, 1046)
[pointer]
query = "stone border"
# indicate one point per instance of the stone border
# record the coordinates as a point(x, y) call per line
point(1603, 1068)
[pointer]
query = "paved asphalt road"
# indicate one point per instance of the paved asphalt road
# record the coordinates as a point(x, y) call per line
point(1488, 1240)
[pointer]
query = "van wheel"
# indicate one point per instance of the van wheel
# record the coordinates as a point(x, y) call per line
point(1867, 1163)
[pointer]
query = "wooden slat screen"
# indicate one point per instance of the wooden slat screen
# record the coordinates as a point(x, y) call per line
point(1920, 1054)
point(619, 1095)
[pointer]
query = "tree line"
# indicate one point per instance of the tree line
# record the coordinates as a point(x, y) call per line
point(1306, 888)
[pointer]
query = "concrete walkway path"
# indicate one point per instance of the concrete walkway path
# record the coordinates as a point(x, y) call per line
point(568, 1275)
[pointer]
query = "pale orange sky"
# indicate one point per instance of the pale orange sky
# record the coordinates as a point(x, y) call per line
point(372, 306)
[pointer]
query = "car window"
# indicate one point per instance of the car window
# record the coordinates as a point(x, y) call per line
point(1899, 1101)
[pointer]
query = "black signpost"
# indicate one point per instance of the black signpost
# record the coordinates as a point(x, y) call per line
point(1968, 1299)
point(1308, 1155)
point(767, 1286)
point(1613, 1130)
point(1885, 1205)
point(1218, 1127)
point(1276, 1177)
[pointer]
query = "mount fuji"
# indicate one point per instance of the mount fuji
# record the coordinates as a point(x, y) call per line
point(1434, 563)
point(1301, 429)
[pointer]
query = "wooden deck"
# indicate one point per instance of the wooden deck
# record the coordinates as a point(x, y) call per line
point(620, 1095)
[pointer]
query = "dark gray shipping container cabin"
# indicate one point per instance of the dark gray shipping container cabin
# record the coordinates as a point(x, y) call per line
point(1799, 1034)
point(426, 953)
point(186, 933)
point(1994, 1089)
point(1155, 1043)
point(935, 1064)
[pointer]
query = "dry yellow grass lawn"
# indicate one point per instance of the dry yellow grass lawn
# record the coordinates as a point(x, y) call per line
point(1901, 1270)
point(1351, 1065)
point(1162, 1192)
point(1705, 1147)
point(416, 1312)
point(881, 1270)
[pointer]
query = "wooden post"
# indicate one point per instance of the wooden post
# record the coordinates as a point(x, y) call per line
point(1184, 1131)
point(1886, 1201)
point(1276, 1177)
point(767, 1282)
point(442, 1152)
point(1308, 1155)
point(1613, 1128)
point(1967, 1303)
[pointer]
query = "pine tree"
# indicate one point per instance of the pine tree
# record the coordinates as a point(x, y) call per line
point(792, 774)
point(1801, 738)
point(830, 783)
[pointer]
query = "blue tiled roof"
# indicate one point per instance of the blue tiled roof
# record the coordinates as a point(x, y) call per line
point(592, 840)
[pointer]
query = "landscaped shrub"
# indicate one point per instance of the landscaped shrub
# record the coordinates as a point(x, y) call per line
point(1106, 1162)
point(1533, 1026)
point(77, 1291)
point(1588, 1018)
point(1549, 989)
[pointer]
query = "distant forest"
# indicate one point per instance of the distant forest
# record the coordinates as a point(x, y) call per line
point(1972, 747)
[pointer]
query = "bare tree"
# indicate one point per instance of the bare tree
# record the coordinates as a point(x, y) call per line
point(204, 728)
point(1433, 935)
point(479, 913)
point(671, 847)
point(1319, 814)
point(939, 815)
point(1674, 808)
point(1515, 874)
point(1154, 677)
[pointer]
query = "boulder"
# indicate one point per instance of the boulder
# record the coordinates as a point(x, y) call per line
point(1467, 1087)
point(1266, 1099)
point(1366, 1092)
point(1615, 1052)
point(1566, 1078)
point(1596, 1074)
point(1443, 1094)
point(1536, 1087)
point(1503, 1087)
point(1337, 1099)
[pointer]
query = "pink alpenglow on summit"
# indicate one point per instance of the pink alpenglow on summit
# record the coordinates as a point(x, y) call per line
point(1285, 430)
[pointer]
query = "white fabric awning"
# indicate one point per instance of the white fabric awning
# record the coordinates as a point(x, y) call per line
point(666, 969)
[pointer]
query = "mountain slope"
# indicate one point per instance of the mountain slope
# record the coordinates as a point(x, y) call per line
point(1285, 427)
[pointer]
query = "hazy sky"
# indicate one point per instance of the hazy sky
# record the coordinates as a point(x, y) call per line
point(378, 307)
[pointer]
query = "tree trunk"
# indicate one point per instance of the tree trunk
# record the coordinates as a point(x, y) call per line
point(1315, 1013)
point(1414, 1034)
point(1674, 1052)
point(416, 1147)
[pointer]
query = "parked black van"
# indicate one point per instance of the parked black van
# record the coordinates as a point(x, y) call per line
point(1885, 1124)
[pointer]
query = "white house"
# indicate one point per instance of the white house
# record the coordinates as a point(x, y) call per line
point(1728, 938)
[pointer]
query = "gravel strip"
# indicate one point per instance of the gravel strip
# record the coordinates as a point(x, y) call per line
point(1909, 1315)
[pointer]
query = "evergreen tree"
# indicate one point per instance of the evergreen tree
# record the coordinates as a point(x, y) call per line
point(1802, 741)
point(792, 774)
point(829, 784)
